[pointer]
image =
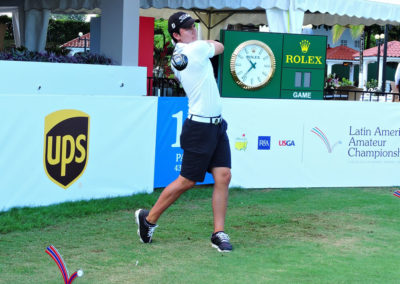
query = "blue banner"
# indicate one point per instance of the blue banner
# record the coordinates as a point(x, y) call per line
point(172, 112)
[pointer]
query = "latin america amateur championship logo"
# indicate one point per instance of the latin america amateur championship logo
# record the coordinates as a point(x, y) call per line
point(66, 141)
point(325, 139)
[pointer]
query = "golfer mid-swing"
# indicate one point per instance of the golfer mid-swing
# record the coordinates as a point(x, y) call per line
point(204, 140)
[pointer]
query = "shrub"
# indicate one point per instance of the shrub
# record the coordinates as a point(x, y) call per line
point(372, 84)
point(23, 54)
point(345, 82)
point(4, 19)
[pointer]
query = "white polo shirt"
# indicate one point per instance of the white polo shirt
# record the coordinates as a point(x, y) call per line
point(198, 78)
point(397, 75)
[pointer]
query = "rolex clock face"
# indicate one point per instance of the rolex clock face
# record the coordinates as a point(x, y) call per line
point(252, 65)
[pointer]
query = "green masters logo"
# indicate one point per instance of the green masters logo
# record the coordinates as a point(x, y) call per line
point(66, 137)
point(304, 59)
point(241, 143)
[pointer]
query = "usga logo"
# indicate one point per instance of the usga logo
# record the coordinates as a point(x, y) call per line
point(66, 140)
point(286, 143)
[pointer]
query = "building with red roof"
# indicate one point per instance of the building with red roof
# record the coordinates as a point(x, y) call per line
point(341, 55)
point(78, 44)
point(393, 50)
point(371, 55)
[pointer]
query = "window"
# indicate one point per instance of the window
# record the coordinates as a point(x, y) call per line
point(307, 80)
point(302, 80)
point(357, 43)
point(297, 80)
point(343, 42)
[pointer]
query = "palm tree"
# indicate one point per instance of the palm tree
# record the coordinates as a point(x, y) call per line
point(338, 30)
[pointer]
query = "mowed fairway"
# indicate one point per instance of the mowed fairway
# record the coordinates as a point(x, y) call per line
point(346, 235)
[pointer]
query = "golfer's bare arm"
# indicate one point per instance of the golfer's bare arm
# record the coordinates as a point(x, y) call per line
point(219, 47)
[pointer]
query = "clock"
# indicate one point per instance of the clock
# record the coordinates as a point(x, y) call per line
point(252, 64)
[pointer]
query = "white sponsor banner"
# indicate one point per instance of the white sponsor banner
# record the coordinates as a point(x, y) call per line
point(118, 148)
point(290, 143)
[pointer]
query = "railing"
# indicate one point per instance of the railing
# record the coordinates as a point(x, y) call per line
point(360, 95)
point(164, 87)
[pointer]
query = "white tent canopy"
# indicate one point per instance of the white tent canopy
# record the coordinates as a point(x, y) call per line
point(343, 12)
point(283, 15)
point(30, 17)
point(64, 6)
point(15, 21)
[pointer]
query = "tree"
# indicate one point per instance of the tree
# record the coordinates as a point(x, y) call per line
point(370, 31)
point(161, 34)
point(69, 17)
point(355, 31)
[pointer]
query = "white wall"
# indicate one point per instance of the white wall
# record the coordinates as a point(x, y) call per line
point(19, 77)
point(120, 31)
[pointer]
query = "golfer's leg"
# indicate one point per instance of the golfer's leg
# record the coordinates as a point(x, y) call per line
point(222, 178)
point(168, 196)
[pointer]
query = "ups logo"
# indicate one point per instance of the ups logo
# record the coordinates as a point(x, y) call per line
point(66, 140)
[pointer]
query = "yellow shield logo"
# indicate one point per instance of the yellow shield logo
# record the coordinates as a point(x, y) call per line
point(66, 141)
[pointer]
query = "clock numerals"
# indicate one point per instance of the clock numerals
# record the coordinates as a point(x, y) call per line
point(252, 65)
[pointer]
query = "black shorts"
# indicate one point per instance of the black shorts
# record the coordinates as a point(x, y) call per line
point(205, 146)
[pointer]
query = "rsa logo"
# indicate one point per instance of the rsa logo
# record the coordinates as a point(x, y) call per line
point(66, 140)
point(286, 143)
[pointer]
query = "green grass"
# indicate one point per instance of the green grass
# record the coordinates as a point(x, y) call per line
point(341, 235)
